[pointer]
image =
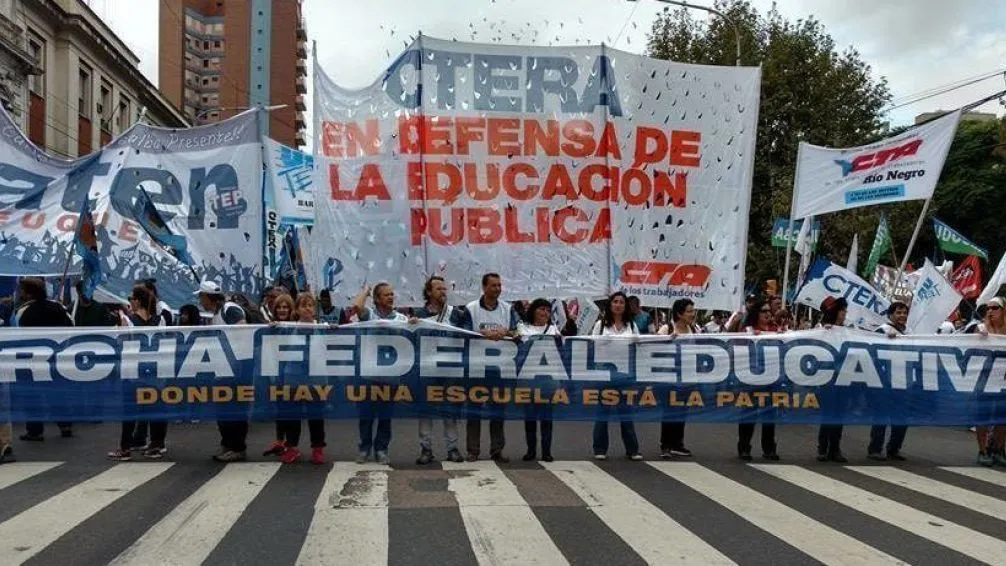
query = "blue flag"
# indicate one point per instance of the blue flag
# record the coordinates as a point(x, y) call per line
point(86, 245)
point(157, 228)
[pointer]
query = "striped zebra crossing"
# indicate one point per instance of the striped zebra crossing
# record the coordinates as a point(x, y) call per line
point(525, 514)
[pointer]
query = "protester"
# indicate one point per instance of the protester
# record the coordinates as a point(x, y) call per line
point(163, 310)
point(992, 439)
point(736, 322)
point(782, 320)
point(496, 320)
point(143, 313)
point(328, 313)
point(672, 433)
point(36, 310)
point(282, 310)
point(233, 433)
point(616, 322)
point(303, 311)
point(436, 309)
point(759, 320)
point(268, 301)
point(641, 318)
point(897, 317)
point(87, 312)
point(538, 322)
point(829, 436)
point(384, 309)
point(717, 324)
point(189, 315)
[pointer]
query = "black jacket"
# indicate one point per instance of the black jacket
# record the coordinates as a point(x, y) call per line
point(43, 313)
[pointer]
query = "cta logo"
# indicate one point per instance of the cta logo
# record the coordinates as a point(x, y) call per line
point(878, 158)
point(666, 274)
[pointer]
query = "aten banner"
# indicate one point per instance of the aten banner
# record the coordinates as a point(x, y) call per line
point(401, 371)
point(569, 170)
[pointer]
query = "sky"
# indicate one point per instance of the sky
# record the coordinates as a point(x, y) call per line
point(916, 44)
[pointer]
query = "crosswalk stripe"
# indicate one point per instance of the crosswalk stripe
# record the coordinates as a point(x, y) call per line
point(657, 538)
point(190, 532)
point(995, 508)
point(941, 531)
point(350, 523)
point(814, 539)
point(501, 526)
point(29, 532)
point(11, 474)
point(984, 474)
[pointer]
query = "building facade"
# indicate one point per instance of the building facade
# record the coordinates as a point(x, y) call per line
point(69, 81)
point(220, 57)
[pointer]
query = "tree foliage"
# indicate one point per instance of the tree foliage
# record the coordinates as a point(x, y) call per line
point(810, 92)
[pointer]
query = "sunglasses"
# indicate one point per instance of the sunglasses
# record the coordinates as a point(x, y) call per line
point(995, 308)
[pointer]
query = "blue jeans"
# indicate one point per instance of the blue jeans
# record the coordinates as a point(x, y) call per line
point(877, 434)
point(380, 441)
point(628, 437)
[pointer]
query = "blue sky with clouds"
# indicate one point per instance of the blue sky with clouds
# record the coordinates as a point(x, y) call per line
point(916, 44)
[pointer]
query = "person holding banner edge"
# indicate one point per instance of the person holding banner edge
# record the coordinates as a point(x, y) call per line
point(496, 320)
point(538, 322)
point(759, 320)
point(384, 309)
point(616, 322)
point(233, 434)
point(897, 315)
point(672, 433)
point(992, 439)
point(437, 310)
point(829, 436)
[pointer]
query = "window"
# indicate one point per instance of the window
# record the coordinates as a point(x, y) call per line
point(206, 63)
point(122, 116)
point(105, 105)
point(216, 44)
point(84, 91)
point(206, 45)
point(36, 47)
point(206, 82)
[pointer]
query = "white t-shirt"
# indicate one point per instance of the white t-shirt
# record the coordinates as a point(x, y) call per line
point(712, 327)
point(532, 330)
point(601, 330)
point(666, 330)
point(500, 317)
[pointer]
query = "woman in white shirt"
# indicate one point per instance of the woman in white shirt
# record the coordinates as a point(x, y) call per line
point(992, 439)
point(538, 322)
point(615, 322)
point(672, 433)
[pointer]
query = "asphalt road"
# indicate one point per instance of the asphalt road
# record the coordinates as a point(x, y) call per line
point(63, 503)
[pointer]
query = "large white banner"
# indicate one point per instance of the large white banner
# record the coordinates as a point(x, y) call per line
point(904, 167)
point(204, 185)
point(867, 307)
point(570, 171)
point(932, 302)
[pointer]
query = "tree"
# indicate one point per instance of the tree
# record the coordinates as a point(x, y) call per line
point(810, 92)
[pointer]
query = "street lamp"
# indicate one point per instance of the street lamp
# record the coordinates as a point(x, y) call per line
point(737, 31)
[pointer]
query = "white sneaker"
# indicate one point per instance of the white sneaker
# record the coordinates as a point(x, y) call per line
point(636, 457)
point(600, 456)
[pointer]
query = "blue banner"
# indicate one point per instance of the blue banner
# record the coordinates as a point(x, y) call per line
point(407, 371)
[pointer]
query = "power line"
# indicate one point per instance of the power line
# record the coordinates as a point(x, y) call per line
point(902, 98)
point(625, 24)
point(942, 92)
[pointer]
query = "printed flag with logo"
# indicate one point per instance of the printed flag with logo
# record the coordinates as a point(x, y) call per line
point(967, 278)
point(86, 245)
point(952, 241)
point(933, 301)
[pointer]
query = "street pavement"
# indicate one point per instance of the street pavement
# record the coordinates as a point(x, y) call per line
point(63, 503)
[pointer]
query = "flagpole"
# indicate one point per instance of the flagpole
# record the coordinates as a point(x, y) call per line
point(789, 253)
point(911, 245)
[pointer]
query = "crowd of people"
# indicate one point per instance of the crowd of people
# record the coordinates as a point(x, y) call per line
point(493, 318)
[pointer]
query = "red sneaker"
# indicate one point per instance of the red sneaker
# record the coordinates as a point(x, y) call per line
point(275, 449)
point(318, 455)
point(290, 455)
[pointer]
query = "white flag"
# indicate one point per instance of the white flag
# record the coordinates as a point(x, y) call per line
point(804, 244)
point(998, 280)
point(900, 168)
point(934, 299)
point(853, 263)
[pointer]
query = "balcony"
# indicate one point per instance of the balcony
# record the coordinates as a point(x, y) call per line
point(301, 31)
point(302, 49)
point(301, 68)
point(299, 104)
point(299, 123)
point(301, 85)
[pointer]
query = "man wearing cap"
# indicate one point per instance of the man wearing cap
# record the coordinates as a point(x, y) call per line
point(897, 318)
point(232, 433)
